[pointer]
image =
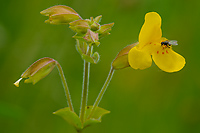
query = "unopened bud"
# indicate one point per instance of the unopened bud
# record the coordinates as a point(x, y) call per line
point(38, 70)
point(60, 14)
point(91, 37)
point(121, 60)
point(95, 26)
point(79, 26)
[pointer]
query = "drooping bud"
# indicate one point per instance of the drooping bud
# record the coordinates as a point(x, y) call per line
point(105, 29)
point(60, 14)
point(91, 37)
point(121, 60)
point(79, 26)
point(38, 70)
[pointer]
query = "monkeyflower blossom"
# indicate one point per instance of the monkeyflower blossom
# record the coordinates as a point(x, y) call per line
point(153, 46)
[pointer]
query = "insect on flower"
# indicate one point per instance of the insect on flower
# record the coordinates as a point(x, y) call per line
point(169, 43)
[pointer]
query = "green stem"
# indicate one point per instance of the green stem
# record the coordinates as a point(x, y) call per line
point(112, 70)
point(67, 94)
point(86, 73)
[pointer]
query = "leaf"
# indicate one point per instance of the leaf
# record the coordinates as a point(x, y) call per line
point(71, 117)
point(96, 117)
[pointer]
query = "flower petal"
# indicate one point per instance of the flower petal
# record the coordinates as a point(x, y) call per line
point(169, 61)
point(139, 59)
point(151, 29)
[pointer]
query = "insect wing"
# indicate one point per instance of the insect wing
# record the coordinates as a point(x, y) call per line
point(173, 42)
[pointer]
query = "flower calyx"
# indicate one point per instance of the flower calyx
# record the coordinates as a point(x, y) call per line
point(105, 29)
point(60, 14)
point(37, 71)
point(79, 26)
point(121, 60)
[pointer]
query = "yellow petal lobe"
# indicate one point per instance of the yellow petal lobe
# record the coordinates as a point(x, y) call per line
point(17, 82)
point(151, 29)
point(139, 59)
point(168, 60)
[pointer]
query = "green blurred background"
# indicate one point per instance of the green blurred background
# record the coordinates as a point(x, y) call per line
point(140, 101)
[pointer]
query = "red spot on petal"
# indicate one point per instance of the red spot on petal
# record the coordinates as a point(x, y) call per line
point(154, 44)
point(167, 52)
point(163, 47)
point(162, 52)
point(157, 52)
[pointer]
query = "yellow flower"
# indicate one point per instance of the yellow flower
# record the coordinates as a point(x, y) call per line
point(153, 46)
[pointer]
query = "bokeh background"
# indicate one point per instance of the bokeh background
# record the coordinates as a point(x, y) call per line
point(140, 101)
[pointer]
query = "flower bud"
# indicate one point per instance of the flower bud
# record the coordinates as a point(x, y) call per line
point(105, 28)
point(79, 26)
point(121, 61)
point(95, 26)
point(38, 70)
point(60, 14)
point(91, 37)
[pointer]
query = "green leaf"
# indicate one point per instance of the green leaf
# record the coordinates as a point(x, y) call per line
point(96, 117)
point(71, 117)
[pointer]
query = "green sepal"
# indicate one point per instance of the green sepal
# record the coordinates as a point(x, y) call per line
point(81, 47)
point(98, 19)
point(95, 43)
point(62, 19)
point(71, 117)
point(103, 35)
point(92, 59)
point(96, 57)
point(96, 117)
point(121, 60)
point(105, 28)
point(87, 58)
point(60, 14)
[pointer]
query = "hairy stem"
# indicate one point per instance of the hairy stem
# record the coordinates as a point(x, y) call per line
point(67, 94)
point(102, 91)
point(86, 74)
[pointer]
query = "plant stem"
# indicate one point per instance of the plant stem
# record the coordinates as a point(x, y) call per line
point(86, 74)
point(112, 70)
point(67, 94)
